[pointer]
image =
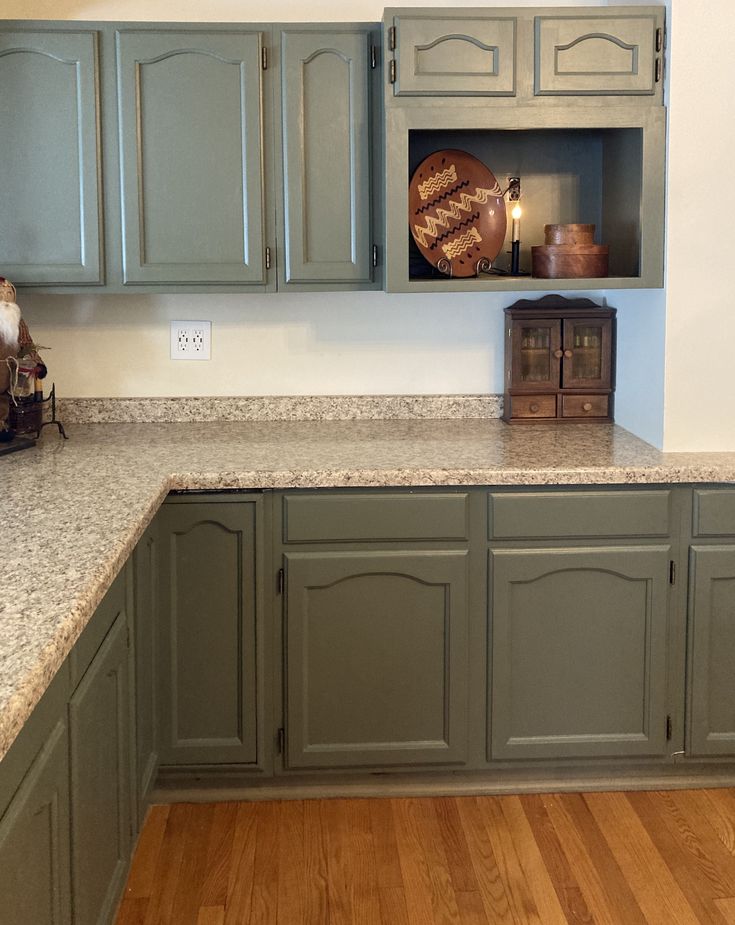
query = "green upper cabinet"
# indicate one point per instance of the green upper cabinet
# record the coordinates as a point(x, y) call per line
point(614, 54)
point(191, 157)
point(461, 55)
point(49, 168)
point(327, 158)
point(711, 636)
point(578, 650)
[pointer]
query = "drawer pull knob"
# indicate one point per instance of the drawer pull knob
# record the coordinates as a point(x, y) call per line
point(587, 406)
point(533, 407)
point(558, 354)
point(567, 353)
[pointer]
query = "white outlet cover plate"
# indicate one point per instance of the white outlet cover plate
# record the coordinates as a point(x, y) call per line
point(191, 340)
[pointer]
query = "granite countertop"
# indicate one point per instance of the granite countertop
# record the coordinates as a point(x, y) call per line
point(73, 511)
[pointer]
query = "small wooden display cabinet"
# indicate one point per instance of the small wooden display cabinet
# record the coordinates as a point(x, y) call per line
point(559, 361)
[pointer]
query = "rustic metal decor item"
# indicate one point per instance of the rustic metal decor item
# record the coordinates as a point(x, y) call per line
point(456, 213)
point(569, 253)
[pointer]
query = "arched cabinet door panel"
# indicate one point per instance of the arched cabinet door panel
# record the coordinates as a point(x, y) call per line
point(50, 226)
point(376, 656)
point(191, 158)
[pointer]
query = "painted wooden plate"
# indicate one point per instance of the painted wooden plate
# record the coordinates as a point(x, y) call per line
point(456, 213)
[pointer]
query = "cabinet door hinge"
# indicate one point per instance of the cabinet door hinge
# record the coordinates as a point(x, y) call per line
point(373, 57)
point(672, 572)
point(659, 69)
point(669, 728)
point(267, 258)
point(280, 741)
point(392, 71)
point(264, 58)
point(392, 38)
point(375, 255)
point(659, 39)
point(281, 580)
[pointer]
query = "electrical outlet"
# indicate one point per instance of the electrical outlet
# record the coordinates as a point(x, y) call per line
point(191, 340)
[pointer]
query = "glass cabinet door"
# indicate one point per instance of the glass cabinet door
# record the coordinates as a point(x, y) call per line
point(586, 362)
point(537, 352)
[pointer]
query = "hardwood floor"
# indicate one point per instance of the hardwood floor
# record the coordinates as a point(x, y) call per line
point(662, 858)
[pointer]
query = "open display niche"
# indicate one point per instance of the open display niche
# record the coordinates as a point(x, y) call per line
point(610, 175)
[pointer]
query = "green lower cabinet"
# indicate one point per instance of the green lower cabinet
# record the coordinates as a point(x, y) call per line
point(34, 841)
point(376, 658)
point(578, 652)
point(207, 642)
point(145, 576)
point(711, 726)
point(100, 780)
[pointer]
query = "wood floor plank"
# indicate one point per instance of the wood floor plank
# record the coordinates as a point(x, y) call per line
point(211, 915)
point(219, 855)
point(393, 908)
point(364, 899)
point(565, 883)
point(457, 853)
point(291, 863)
point(132, 910)
point(606, 892)
point(264, 897)
point(651, 881)
point(316, 867)
point(143, 871)
point(192, 872)
point(240, 879)
point(339, 892)
point(716, 862)
point(532, 863)
point(387, 861)
point(521, 900)
point(166, 874)
point(681, 853)
point(727, 909)
point(492, 889)
point(719, 810)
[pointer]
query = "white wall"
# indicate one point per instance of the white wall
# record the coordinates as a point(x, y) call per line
point(322, 343)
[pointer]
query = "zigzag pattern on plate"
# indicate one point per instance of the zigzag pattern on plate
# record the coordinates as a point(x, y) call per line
point(467, 223)
point(432, 186)
point(444, 217)
point(449, 192)
point(464, 242)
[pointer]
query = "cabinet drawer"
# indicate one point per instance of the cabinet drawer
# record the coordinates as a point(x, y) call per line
point(563, 514)
point(584, 406)
point(329, 518)
point(533, 406)
point(596, 55)
point(461, 56)
point(714, 512)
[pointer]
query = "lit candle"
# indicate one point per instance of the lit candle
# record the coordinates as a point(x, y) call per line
point(516, 228)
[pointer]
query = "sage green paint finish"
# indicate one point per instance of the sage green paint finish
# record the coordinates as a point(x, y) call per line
point(376, 653)
point(334, 517)
point(714, 512)
point(613, 54)
point(711, 728)
point(34, 841)
point(50, 225)
point(99, 736)
point(565, 514)
point(109, 608)
point(191, 156)
point(145, 590)
point(326, 143)
point(578, 652)
point(455, 56)
point(208, 633)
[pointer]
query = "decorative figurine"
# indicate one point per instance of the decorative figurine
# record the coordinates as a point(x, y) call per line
point(20, 363)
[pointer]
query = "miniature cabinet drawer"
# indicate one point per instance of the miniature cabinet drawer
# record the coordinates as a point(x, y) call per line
point(714, 512)
point(562, 514)
point(342, 518)
point(584, 406)
point(597, 55)
point(461, 56)
point(533, 406)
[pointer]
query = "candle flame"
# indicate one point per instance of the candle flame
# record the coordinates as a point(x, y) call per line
point(516, 213)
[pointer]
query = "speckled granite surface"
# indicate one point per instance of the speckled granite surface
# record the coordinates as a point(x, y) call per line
point(72, 512)
point(278, 408)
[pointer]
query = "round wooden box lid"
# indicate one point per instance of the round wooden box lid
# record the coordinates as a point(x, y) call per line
point(569, 234)
point(456, 213)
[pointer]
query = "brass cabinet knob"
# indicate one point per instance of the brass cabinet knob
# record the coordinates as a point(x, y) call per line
point(587, 406)
point(558, 354)
point(567, 353)
point(533, 407)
